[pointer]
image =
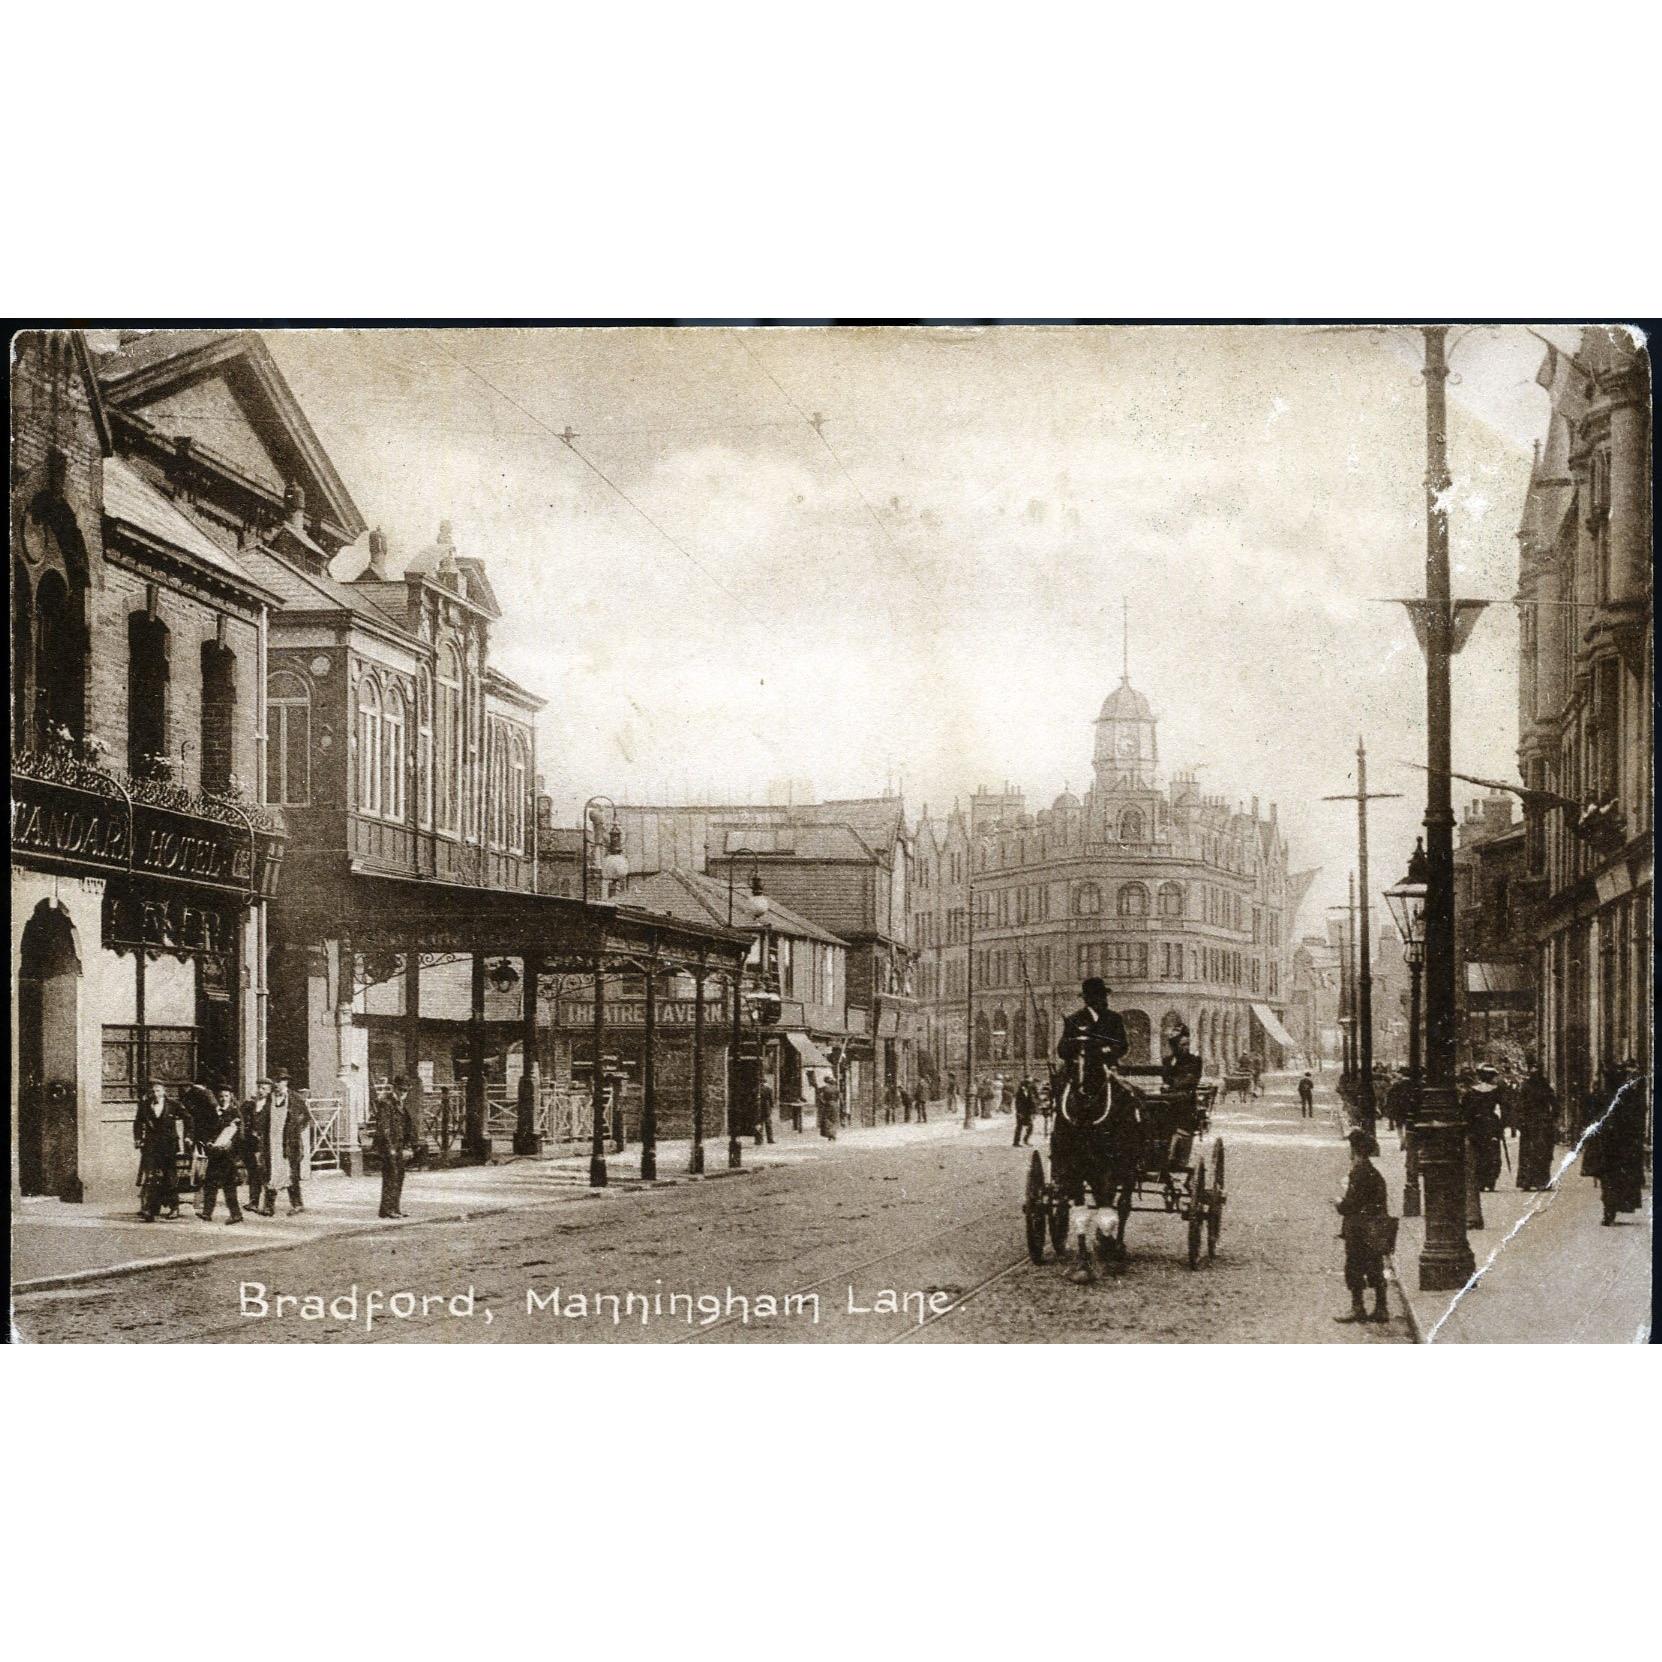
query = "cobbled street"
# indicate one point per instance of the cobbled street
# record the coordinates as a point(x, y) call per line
point(861, 1227)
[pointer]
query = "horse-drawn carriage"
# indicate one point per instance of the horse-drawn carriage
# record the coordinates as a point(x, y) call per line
point(1168, 1162)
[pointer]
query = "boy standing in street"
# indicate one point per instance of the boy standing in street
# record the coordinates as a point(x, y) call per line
point(1365, 1207)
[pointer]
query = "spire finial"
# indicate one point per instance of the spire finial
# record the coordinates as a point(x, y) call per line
point(1125, 638)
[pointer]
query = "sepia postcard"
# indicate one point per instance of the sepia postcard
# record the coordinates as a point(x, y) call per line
point(832, 834)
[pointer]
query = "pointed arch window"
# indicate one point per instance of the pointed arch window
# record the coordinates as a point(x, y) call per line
point(448, 739)
point(369, 746)
point(288, 754)
point(392, 756)
point(424, 751)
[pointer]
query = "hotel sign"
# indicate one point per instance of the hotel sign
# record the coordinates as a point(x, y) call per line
point(65, 825)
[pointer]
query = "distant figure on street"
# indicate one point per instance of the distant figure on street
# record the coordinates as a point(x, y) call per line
point(1365, 1208)
point(951, 1095)
point(891, 1102)
point(158, 1135)
point(796, 1104)
point(825, 1104)
point(1399, 1102)
point(984, 1098)
point(1306, 1096)
point(1255, 1067)
point(392, 1133)
point(1621, 1145)
point(1480, 1107)
point(290, 1121)
point(1026, 1107)
point(222, 1159)
point(1180, 1072)
point(1537, 1127)
point(764, 1112)
point(920, 1101)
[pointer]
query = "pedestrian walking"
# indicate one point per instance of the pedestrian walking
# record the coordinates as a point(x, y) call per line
point(1368, 1229)
point(984, 1098)
point(891, 1102)
point(1537, 1127)
point(1255, 1067)
point(920, 1100)
point(1047, 1105)
point(764, 1112)
point(796, 1104)
point(291, 1121)
point(951, 1095)
point(1306, 1097)
point(826, 1108)
point(1026, 1108)
point(222, 1159)
point(159, 1137)
point(1480, 1107)
point(392, 1134)
point(256, 1145)
point(1620, 1140)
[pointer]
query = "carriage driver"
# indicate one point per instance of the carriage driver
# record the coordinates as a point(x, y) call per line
point(1084, 1141)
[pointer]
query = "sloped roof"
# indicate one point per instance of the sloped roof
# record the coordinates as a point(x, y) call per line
point(307, 591)
point(145, 367)
point(694, 898)
point(130, 498)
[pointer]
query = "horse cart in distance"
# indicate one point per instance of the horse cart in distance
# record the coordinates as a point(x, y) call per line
point(1176, 1167)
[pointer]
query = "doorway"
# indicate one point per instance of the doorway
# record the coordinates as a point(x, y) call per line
point(48, 1023)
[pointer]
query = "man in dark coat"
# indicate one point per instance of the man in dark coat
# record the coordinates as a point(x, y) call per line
point(1363, 1205)
point(201, 1112)
point(392, 1135)
point(1621, 1137)
point(256, 1145)
point(1181, 1070)
point(222, 1158)
point(296, 1120)
point(1026, 1107)
point(1480, 1107)
point(1306, 1097)
point(764, 1112)
point(1095, 1140)
point(1537, 1128)
point(158, 1135)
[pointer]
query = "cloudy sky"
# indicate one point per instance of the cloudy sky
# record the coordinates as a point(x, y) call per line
point(860, 559)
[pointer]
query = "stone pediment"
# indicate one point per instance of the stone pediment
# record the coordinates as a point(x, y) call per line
point(225, 393)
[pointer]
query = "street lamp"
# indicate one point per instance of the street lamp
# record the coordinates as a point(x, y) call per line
point(614, 864)
point(1407, 902)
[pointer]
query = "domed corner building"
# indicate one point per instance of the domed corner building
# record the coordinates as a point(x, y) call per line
point(1182, 903)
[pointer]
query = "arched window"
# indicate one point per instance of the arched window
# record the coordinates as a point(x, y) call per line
point(449, 739)
point(424, 751)
point(1133, 900)
point(1171, 900)
point(49, 650)
point(1087, 900)
point(518, 775)
point(219, 716)
point(392, 756)
point(147, 688)
point(288, 751)
point(369, 746)
point(1131, 826)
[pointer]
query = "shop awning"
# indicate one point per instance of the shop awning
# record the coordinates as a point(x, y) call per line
point(812, 1056)
point(1497, 978)
point(1271, 1023)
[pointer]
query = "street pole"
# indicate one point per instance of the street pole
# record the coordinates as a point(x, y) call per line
point(1362, 965)
point(649, 1080)
point(969, 979)
point(1414, 954)
point(597, 1149)
point(695, 1163)
point(735, 1152)
point(1446, 1261)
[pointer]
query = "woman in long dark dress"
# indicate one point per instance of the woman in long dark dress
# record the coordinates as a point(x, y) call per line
point(1622, 1147)
point(1537, 1129)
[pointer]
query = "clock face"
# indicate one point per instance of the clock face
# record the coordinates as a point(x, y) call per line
point(1126, 743)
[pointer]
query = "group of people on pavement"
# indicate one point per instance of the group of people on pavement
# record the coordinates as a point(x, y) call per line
point(220, 1144)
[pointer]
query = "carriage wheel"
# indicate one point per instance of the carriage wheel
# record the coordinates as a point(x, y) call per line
point(1214, 1209)
point(1195, 1214)
point(1033, 1209)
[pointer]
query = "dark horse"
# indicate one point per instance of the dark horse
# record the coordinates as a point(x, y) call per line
point(1097, 1144)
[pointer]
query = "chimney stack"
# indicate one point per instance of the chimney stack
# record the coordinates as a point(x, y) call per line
point(294, 507)
point(378, 555)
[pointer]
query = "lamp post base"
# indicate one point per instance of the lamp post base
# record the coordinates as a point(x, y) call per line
point(649, 1165)
point(696, 1164)
point(735, 1154)
point(1446, 1261)
point(597, 1171)
point(1411, 1179)
point(527, 1142)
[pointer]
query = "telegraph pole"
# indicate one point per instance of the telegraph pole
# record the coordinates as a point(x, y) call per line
point(969, 976)
point(1362, 977)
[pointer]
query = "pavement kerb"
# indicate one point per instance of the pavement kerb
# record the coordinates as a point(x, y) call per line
point(380, 1226)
